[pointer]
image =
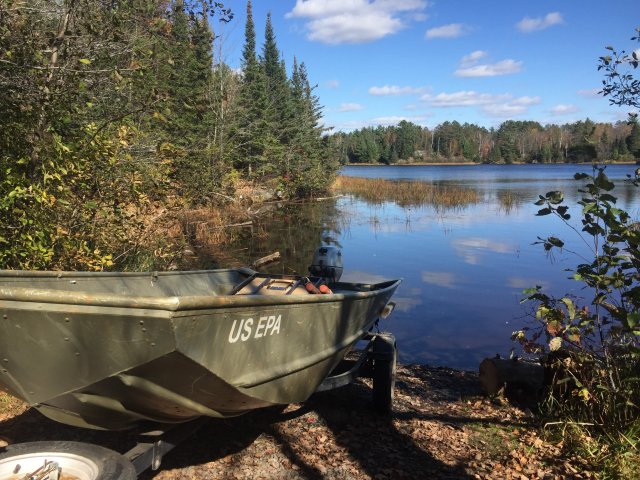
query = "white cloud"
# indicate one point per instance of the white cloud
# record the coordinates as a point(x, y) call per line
point(350, 107)
point(352, 29)
point(504, 67)
point(395, 119)
point(590, 93)
point(453, 30)
point(332, 84)
point(528, 25)
point(462, 99)
point(336, 22)
point(420, 17)
point(511, 108)
point(469, 66)
point(395, 90)
point(504, 105)
point(374, 122)
point(526, 101)
point(504, 110)
point(472, 58)
point(563, 109)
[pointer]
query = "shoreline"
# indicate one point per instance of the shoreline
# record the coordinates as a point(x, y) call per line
point(443, 164)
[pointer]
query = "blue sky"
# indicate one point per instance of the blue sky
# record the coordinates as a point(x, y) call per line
point(377, 62)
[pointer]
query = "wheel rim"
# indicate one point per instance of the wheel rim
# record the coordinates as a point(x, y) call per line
point(74, 467)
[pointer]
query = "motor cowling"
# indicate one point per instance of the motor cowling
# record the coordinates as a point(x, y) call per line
point(327, 264)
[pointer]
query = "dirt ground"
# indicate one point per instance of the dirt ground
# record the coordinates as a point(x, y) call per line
point(441, 428)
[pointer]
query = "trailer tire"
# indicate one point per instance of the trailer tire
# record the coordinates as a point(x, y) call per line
point(385, 357)
point(83, 461)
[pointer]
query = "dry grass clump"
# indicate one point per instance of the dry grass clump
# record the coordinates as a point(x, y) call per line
point(406, 193)
point(10, 406)
point(207, 229)
point(509, 201)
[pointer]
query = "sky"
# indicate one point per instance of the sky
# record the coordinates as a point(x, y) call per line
point(377, 62)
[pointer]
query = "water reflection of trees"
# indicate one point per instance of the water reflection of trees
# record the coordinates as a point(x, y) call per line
point(295, 230)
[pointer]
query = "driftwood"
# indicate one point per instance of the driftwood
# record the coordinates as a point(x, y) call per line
point(243, 224)
point(322, 199)
point(264, 260)
point(231, 199)
point(498, 374)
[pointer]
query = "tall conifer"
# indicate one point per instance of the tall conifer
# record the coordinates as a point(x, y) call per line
point(250, 130)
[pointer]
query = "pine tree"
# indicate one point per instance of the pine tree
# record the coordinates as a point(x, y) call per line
point(279, 111)
point(311, 172)
point(633, 140)
point(250, 129)
point(189, 122)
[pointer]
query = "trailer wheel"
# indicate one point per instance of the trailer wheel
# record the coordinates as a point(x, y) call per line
point(385, 356)
point(81, 461)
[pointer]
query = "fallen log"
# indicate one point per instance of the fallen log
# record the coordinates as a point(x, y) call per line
point(498, 374)
point(264, 260)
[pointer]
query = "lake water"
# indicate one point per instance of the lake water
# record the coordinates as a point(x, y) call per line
point(463, 269)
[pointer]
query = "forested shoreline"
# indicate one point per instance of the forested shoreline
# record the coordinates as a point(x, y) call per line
point(514, 141)
point(117, 118)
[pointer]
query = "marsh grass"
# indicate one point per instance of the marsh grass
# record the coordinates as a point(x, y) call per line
point(509, 201)
point(406, 193)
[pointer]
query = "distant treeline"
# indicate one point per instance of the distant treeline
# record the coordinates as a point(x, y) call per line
point(513, 141)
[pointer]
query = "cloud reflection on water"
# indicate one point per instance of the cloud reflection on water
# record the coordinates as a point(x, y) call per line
point(522, 283)
point(441, 279)
point(472, 249)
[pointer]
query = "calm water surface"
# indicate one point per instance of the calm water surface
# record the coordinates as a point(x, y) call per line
point(464, 269)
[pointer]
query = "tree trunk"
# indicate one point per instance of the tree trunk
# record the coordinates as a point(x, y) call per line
point(46, 88)
point(498, 373)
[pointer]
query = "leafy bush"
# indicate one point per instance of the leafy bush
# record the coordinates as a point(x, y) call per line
point(593, 350)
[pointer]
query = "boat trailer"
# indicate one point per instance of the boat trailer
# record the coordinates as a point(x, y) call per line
point(65, 460)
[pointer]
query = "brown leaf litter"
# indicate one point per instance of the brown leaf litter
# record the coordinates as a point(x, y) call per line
point(441, 428)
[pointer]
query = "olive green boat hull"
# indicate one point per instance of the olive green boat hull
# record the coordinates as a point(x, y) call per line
point(106, 350)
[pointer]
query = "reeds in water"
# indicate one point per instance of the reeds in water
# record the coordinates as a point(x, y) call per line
point(509, 201)
point(406, 193)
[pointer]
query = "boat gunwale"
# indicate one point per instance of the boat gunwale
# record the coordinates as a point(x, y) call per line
point(70, 274)
point(181, 303)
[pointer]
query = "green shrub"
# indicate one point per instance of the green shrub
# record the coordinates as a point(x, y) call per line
point(593, 350)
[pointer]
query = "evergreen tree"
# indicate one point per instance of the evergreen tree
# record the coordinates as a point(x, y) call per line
point(278, 112)
point(633, 141)
point(310, 171)
point(189, 122)
point(408, 138)
point(250, 129)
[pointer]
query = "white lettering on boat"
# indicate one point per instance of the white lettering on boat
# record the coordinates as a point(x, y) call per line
point(247, 330)
point(243, 329)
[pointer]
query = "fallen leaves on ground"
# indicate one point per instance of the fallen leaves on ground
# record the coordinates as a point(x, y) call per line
point(441, 428)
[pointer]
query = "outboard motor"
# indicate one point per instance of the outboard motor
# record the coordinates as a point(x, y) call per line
point(327, 264)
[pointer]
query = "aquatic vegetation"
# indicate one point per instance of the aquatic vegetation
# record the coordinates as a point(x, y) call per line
point(406, 193)
point(509, 201)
